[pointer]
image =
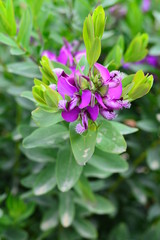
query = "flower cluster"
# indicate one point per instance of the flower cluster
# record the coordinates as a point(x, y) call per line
point(85, 97)
point(68, 55)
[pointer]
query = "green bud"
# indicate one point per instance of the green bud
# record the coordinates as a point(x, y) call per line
point(137, 49)
point(103, 90)
point(141, 85)
point(38, 94)
point(82, 82)
point(48, 76)
point(98, 21)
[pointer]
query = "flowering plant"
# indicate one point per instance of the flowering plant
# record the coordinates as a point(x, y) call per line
point(58, 166)
point(82, 90)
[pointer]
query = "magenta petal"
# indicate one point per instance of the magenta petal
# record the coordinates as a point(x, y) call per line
point(71, 116)
point(103, 71)
point(58, 71)
point(79, 55)
point(65, 56)
point(50, 55)
point(115, 92)
point(85, 98)
point(93, 112)
point(80, 129)
point(65, 88)
point(53, 86)
point(146, 5)
point(107, 114)
point(112, 104)
point(99, 100)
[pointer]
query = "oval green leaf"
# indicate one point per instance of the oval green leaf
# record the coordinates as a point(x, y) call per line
point(109, 139)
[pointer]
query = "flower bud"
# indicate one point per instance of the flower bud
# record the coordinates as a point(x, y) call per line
point(81, 82)
point(104, 89)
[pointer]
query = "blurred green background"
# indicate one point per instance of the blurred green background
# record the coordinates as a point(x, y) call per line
point(24, 214)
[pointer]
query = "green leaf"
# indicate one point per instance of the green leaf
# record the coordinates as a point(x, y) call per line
point(15, 233)
point(52, 98)
point(94, 52)
point(91, 171)
point(115, 57)
point(4, 24)
point(83, 188)
point(124, 129)
point(16, 206)
point(41, 155)
point(82, 145)
point(109, 162)
point(28, 95)
point(26, 69)
point(38, 94)
point(134, 11)
point(109, 139)
point(10, 16)
point(66, 209)
point(45, 180)
point(108, 4)
point(67, 170)
point(100, 206)
point(25, 29)
point(120, 232)
point(48, 75)
point(17, 51)
point(47, 136)
point(141, 85)
point(148, 125)
point(98, 21)
point(88, 32)
point(60, 65)
point(36, 7)
point(153, 159)
point(137, 49)
point(50, 219)
point(46, 119)
point(7, 40)
point(155, 50)
point(85, 228)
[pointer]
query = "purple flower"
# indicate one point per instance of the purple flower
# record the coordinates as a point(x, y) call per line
point(86, 97)
point(149, 59)
point(66, 55)
point(50, 55)
point(146, 5)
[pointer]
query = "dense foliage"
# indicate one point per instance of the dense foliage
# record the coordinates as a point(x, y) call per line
point(100, 180)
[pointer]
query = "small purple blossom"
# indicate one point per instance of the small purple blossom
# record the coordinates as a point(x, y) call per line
point(49, 54)
point(146, 5)
point(149, 60)
point(84, 97)
point(66, 55)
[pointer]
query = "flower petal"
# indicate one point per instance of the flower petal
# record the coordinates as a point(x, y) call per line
point(115, 92)
point(80, 129)
point(65, 56)
point(103, 71)
point(85, 98)
point(99, 100)
point(50, 55)
point(71, 116)
point(62, 105)
point(79, 55)
point(59, 72)
point(53, 86)
point(112, 104)
point(108, 114)
point(65, 88)
point(93, 112)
